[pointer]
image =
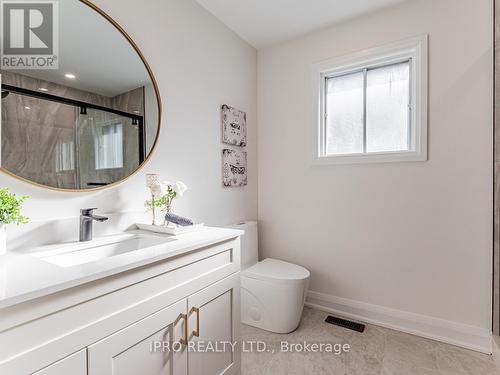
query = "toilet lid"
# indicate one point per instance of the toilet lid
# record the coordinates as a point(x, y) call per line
point(277, 271)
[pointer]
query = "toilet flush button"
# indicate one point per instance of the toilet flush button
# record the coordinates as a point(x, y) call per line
point(255, 314)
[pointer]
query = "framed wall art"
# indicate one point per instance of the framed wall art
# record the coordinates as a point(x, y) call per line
point(234, 168)
point(234, 126)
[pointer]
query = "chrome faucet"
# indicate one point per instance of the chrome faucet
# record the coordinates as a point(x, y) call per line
point(86, 220)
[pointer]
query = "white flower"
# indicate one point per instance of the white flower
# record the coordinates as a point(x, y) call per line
point(157, 190)
point(180, 188)
point(165, 187)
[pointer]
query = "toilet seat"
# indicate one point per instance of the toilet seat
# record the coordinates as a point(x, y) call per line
point(277, 271)
point(273, 293)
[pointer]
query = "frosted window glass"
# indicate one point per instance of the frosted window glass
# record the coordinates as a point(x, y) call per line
point(344, 106)
point(387, 112)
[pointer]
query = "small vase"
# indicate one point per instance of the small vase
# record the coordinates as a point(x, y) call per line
point(3, 239)
point(159, 217)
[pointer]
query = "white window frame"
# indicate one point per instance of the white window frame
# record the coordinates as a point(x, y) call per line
point(415, 50)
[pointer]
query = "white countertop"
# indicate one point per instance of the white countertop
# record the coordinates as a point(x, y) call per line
point(24, 276)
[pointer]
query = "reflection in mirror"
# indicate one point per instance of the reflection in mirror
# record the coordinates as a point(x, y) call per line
point(88, 124)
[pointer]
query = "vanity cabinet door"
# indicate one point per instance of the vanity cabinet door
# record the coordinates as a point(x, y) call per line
point(75, 364)
point(129, 351)
point(214, 319)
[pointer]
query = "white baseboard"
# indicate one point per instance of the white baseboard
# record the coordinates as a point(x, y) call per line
point(495, 345)
point(465, 336)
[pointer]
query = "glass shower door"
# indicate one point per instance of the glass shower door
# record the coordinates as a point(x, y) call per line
point(108, 147)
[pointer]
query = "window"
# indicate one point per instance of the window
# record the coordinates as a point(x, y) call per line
point(108, 145)
point(373, 105)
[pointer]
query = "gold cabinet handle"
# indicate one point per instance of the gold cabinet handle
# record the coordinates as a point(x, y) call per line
point(184, 340)
point(196, 310)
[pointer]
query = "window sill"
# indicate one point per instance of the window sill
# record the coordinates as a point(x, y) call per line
point(390, 157)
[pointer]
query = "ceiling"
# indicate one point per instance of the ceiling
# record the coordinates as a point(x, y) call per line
point(92, 49)
point(265, 22)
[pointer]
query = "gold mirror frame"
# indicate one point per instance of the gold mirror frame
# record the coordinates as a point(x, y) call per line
point(158, 99)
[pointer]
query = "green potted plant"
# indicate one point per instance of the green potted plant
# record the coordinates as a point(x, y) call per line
point(10, 213)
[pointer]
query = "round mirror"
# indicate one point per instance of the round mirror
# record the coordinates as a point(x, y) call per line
point(86, 119)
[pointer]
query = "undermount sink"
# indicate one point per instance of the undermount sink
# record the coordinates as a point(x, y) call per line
point(73, 254)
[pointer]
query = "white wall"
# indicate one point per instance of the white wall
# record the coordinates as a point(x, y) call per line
point(415, 237)
point(151, 116)
point(199, 64)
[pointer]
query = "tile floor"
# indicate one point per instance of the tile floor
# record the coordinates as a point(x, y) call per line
point(377, 351)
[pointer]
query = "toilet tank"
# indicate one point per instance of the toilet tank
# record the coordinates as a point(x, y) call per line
point(249, 243)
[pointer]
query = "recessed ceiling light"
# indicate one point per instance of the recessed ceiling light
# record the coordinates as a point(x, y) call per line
point(43, 89)
point(70, 76)
point(27, 107)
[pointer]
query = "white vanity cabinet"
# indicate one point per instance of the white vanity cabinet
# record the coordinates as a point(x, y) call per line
point(128, 352)
point(75, 364)
point(176, 316)
point(215, 317)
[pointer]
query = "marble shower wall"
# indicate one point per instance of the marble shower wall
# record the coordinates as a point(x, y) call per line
point(496, 230)
point(38, 136)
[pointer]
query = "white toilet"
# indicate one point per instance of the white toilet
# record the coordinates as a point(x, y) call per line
point(272, 291)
